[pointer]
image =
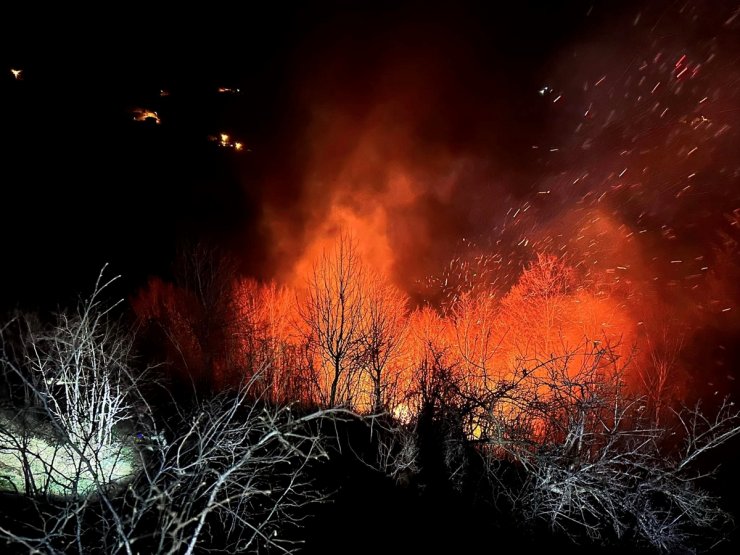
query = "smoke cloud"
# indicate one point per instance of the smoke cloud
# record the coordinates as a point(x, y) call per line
point(455, 152)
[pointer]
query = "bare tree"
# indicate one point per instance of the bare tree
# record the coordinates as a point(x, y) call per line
point(102, 473)
point(74, 381)
point(594, 461)
point(235, 476)
point(534, 307)
point(332, 315)
point(659, 377)
point(265, 328)
point(397, 451)
point(479, 333)
point(197, 317)
point(563, 438)
point(381, 337)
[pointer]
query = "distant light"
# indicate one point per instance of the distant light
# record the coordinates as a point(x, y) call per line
point(142, 114)
point(17, 73)
point(224, 140)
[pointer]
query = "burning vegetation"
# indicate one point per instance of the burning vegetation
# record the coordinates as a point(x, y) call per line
point(348, 336)
point(224, 140)
point(145, 115)
point(554, 376)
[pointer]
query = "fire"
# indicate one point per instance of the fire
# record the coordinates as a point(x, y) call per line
point(143, 114)
point(349, 336)
point(604, 234)
point(225, 140)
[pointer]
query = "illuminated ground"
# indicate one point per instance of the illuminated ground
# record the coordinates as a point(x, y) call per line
point(59, 470)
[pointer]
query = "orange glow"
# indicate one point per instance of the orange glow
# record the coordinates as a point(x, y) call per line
point(491, 250)
point(142, 114)
point(564, 270)
point(365, 174)
point(391, 355)
point(225, 140)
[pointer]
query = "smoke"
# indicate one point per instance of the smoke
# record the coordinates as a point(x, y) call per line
point(455, 149)
point(643, 128)
point(399, 132)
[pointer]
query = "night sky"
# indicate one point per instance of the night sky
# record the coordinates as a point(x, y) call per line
point(85, 184)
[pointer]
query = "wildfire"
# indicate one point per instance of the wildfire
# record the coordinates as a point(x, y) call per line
point(224, 140)
point(604, 240)
point(145, 115)
point(348, 336)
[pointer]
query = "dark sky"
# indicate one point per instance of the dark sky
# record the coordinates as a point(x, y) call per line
point(84, 184)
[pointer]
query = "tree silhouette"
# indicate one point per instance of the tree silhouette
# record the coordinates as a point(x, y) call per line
point(332, 316)
point(383, 331)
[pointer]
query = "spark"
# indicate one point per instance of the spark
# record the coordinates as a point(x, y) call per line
point(733, 16)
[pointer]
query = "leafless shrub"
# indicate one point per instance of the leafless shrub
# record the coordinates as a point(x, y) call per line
point(397, 454)
point(230, 474)
point(235, 475)
point(595, 461)
point(72, 379)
